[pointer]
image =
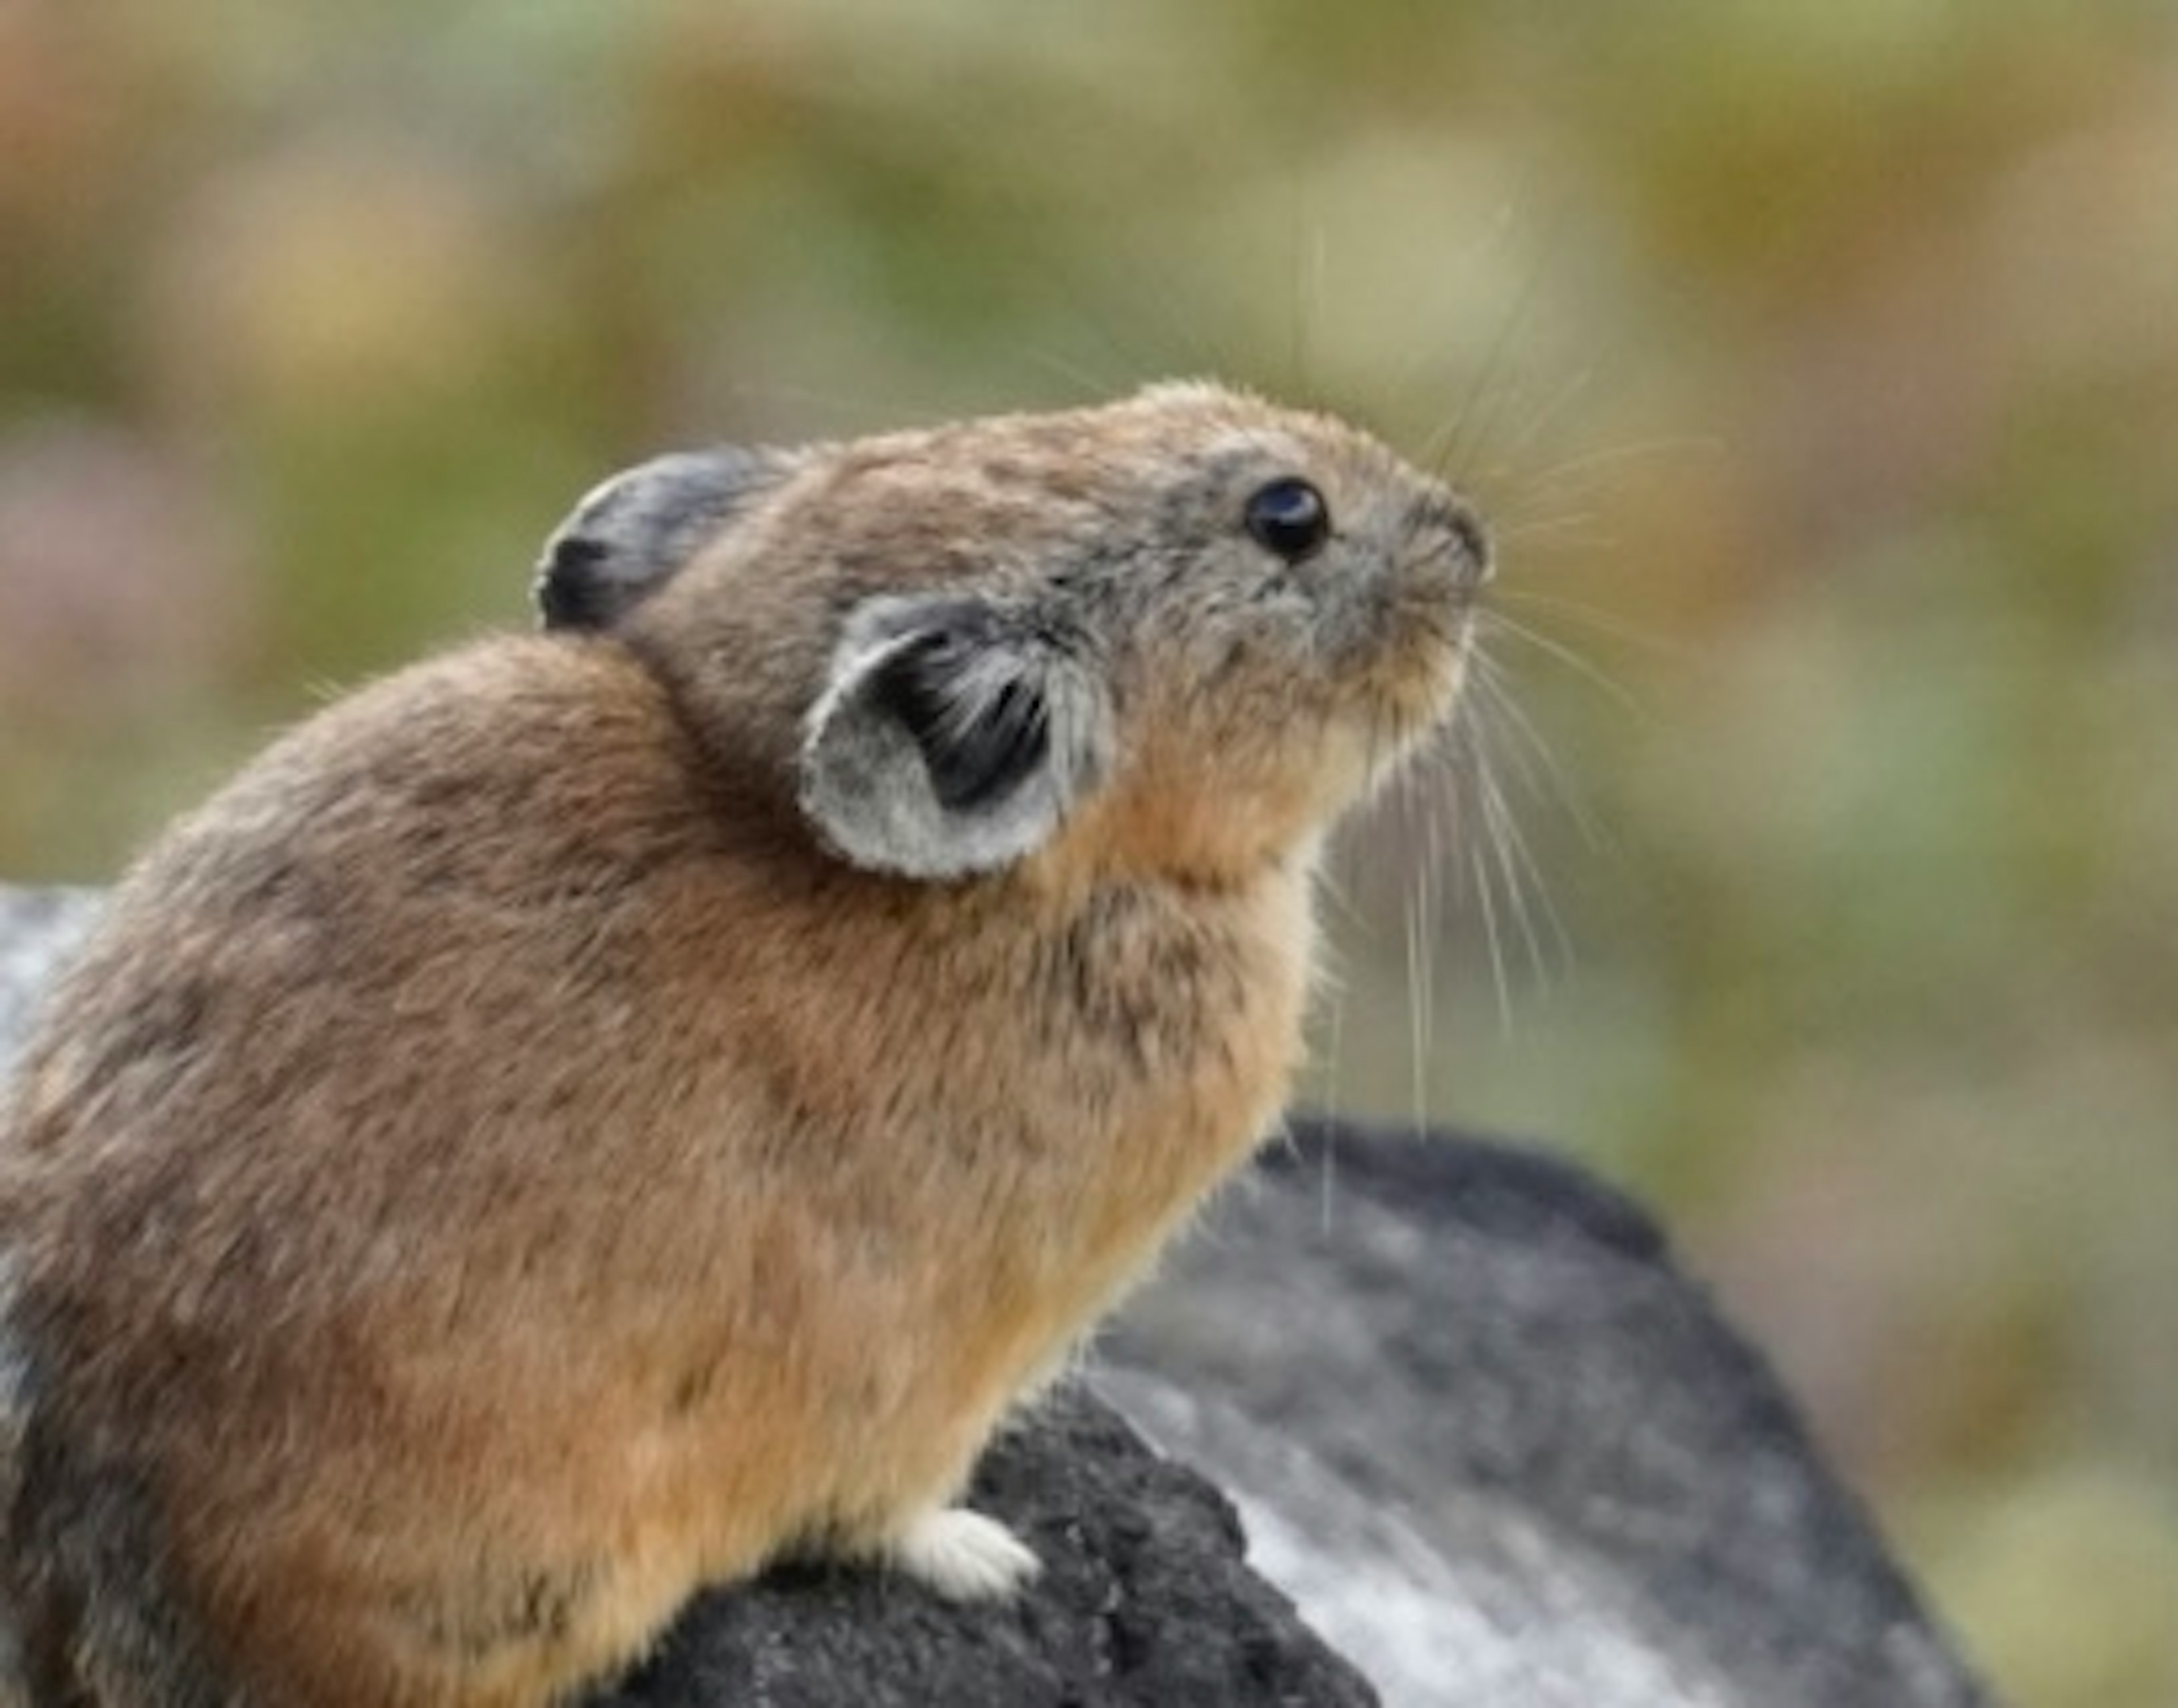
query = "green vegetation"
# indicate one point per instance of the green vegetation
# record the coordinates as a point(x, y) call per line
point(1819, 362)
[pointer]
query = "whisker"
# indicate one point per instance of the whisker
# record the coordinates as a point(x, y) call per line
point(1565, 655)
point(1541, 523)
point(1491, 935)
point(1417, 1038)
point(1334, 893)
point(1567, 546)
point(1592, 617)
point(1465, 751)
point(1526, 742)
point(1524, 875)
point(1509, 875)
point(1425, 884)
point(1335, 987)
point(1556, 403)
point(1325, 1186)
point(1480, 419)
point(1615, 456)
point(1090, 385)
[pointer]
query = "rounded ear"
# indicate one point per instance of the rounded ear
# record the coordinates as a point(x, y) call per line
point(952, 738)
point(631, 534)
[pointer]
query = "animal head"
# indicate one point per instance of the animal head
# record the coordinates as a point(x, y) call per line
point(1182, 631)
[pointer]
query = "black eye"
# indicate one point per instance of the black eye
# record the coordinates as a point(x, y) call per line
point(1288, 517)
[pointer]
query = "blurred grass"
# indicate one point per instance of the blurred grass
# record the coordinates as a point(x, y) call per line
point(1819, 363)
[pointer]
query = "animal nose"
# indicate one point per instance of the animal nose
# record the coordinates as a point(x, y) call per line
point(1439, 514)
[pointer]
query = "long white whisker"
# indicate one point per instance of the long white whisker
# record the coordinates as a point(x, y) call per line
point(1475, 858)
point(1613, 455)
point(1427, 885)
point(1339, 901)
point(1090, 384)
point(1551, 406)
point(1332, 980)
point(1541, 526)
point(1417, 1038)
point(1526, 742)
point(1480, 420)
point(1567, 656)
point(1511, 874)
point(1524, 875)
point(1589, 616)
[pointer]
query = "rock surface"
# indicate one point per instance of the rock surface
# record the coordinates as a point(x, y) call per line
point(1498, 1446)
point(1503, 1451)
point(1143, 1603)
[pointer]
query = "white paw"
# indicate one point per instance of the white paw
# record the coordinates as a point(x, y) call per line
point(963, 1556)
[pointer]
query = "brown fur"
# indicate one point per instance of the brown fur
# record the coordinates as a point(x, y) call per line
point(494, 1171)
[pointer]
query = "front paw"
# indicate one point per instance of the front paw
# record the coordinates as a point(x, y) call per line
point(963, 1556)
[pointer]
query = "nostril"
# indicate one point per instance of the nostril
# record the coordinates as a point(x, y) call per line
point(1443, 514)
point(1474, 541)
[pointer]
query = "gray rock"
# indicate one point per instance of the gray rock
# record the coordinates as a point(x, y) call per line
point(1479, 1423)
point(1503, 1451)
point(1144, 1603)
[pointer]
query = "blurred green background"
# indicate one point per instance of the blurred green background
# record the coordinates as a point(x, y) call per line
point(1819, 362)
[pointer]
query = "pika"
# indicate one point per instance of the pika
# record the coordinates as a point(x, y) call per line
point(605, 1108)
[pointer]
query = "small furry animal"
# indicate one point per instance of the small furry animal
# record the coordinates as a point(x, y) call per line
point(599, 1110)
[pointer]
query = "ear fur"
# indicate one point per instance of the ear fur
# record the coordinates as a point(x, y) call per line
point(953, 738)
point(632, 532)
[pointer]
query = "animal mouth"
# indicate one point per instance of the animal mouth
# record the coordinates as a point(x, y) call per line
point(1436, 695)
point(1429, 621)
point(1416, 691)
